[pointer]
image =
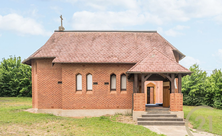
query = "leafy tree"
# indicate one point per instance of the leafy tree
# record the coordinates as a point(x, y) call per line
point(15, 78)
point(213, 95)
point(193, 86)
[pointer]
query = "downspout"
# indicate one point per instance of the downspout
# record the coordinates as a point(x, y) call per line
point(132, 102)
point(133, 96)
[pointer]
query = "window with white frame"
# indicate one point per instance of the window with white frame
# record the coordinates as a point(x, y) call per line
point(78, 82)
point(123, 82)
point(113, 82)
point(89, 82)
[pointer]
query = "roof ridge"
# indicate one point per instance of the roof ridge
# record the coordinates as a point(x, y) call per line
point(141, 31)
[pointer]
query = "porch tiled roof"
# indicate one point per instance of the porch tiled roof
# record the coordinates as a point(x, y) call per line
point(157, 62)
point(102, 47)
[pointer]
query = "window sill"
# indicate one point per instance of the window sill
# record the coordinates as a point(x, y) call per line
point(113, 92)
point(123, 92)
point(78, 92)
point(89, 92)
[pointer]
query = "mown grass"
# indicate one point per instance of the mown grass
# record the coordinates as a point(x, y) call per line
point(205, 112)
point(15, 121)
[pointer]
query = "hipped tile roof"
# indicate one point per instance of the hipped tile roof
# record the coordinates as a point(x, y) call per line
point(157, 62)
point(104, 47)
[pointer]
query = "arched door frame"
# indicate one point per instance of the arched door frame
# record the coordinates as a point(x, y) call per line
point(150, 84)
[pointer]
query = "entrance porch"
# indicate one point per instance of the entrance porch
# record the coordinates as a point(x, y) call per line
point(157, 91)
point(157, 67)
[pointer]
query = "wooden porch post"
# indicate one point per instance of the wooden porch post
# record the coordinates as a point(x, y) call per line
point(179, 83)
point(135, 83)
point(172, 83)
point(142, 83)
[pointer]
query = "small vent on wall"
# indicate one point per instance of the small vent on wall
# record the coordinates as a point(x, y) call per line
point(59, 82)
point(106, 83)
point(95, 83)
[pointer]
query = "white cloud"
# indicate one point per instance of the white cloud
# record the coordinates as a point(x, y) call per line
point(106, 4)
point(159, 11)
point(189, 61)
point(21, 25)
point(183, 10)
point(175, 31)
point(106, 20)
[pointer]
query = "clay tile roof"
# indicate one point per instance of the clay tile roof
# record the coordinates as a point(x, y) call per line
point(157, 62)
point(105, 47)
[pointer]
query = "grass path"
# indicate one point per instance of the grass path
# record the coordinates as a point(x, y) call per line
point(216, 115)
point(15, 121)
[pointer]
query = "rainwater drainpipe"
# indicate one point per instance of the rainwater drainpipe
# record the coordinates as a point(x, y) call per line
point(132, 102)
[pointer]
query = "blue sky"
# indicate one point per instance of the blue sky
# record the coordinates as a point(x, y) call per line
point(192, 26)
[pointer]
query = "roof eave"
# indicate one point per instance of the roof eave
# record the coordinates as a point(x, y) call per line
point(180, 53)
point(28, 60)
point(130, 72)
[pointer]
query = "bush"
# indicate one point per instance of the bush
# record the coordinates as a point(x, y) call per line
point(15, 78)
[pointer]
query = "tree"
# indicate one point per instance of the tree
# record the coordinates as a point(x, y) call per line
point(213, 95)
point(193, 86)
point(15, 78)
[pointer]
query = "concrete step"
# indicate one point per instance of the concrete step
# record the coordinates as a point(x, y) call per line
point(161, 123)
point(159, 115)
point(157, 109)
point(153, 112)
point(159, 119)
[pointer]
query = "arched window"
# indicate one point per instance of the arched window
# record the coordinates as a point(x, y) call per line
point(123, 82)
point(89, 81)
point(79, 82)
point(113, 82)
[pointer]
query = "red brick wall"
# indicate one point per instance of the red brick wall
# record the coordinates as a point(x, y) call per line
point(101, 96)
point(176, 102)
point(48, 90)
point(139, 102)
point(64, 96)
point(34, 85)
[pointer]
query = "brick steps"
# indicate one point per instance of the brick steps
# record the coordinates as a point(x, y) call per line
point(160, 117)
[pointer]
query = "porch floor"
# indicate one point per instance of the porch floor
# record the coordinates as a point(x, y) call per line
point(159, 107)
point(155, 105)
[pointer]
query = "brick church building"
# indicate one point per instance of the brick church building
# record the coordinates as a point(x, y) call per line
point(94, 73)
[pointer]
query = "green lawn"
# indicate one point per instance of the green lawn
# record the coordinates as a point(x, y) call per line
point(15, 121)
point(216, 118)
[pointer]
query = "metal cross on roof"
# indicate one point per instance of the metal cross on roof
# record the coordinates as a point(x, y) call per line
point(61, 19)
point(61, 28)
